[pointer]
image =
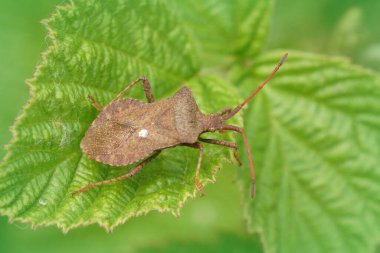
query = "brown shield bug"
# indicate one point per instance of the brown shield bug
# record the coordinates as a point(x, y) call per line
point(128, 130)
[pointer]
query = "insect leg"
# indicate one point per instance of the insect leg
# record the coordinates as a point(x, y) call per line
point(196, 181)
point(94, 104)
point(240, 130)
point(225, 144)
point(112, 180)
point(146, 85)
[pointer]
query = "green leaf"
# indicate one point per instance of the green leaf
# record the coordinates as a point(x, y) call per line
point(315, 135)
point(96, 48)
point(226, 29)
point(200, 221)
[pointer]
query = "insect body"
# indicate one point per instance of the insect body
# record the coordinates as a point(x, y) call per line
point(128, 130)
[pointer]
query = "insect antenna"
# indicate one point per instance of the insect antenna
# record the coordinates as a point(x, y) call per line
point(238, 108)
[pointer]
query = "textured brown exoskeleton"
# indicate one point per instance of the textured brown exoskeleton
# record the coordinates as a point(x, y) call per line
point(128, 130)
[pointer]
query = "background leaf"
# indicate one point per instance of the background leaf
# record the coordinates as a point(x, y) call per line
point(344, 27)
point(315, 134)
point(226, 30)
point(92, 56)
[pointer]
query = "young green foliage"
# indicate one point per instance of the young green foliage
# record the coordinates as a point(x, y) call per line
point(224, 30)
point(315, 133)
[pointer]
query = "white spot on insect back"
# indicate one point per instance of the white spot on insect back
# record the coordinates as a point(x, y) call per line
point(143, 133)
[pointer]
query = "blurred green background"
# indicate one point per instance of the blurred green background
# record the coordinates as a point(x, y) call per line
point(345, 27)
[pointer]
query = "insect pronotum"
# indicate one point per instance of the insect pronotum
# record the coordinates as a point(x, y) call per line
point(128, 130)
